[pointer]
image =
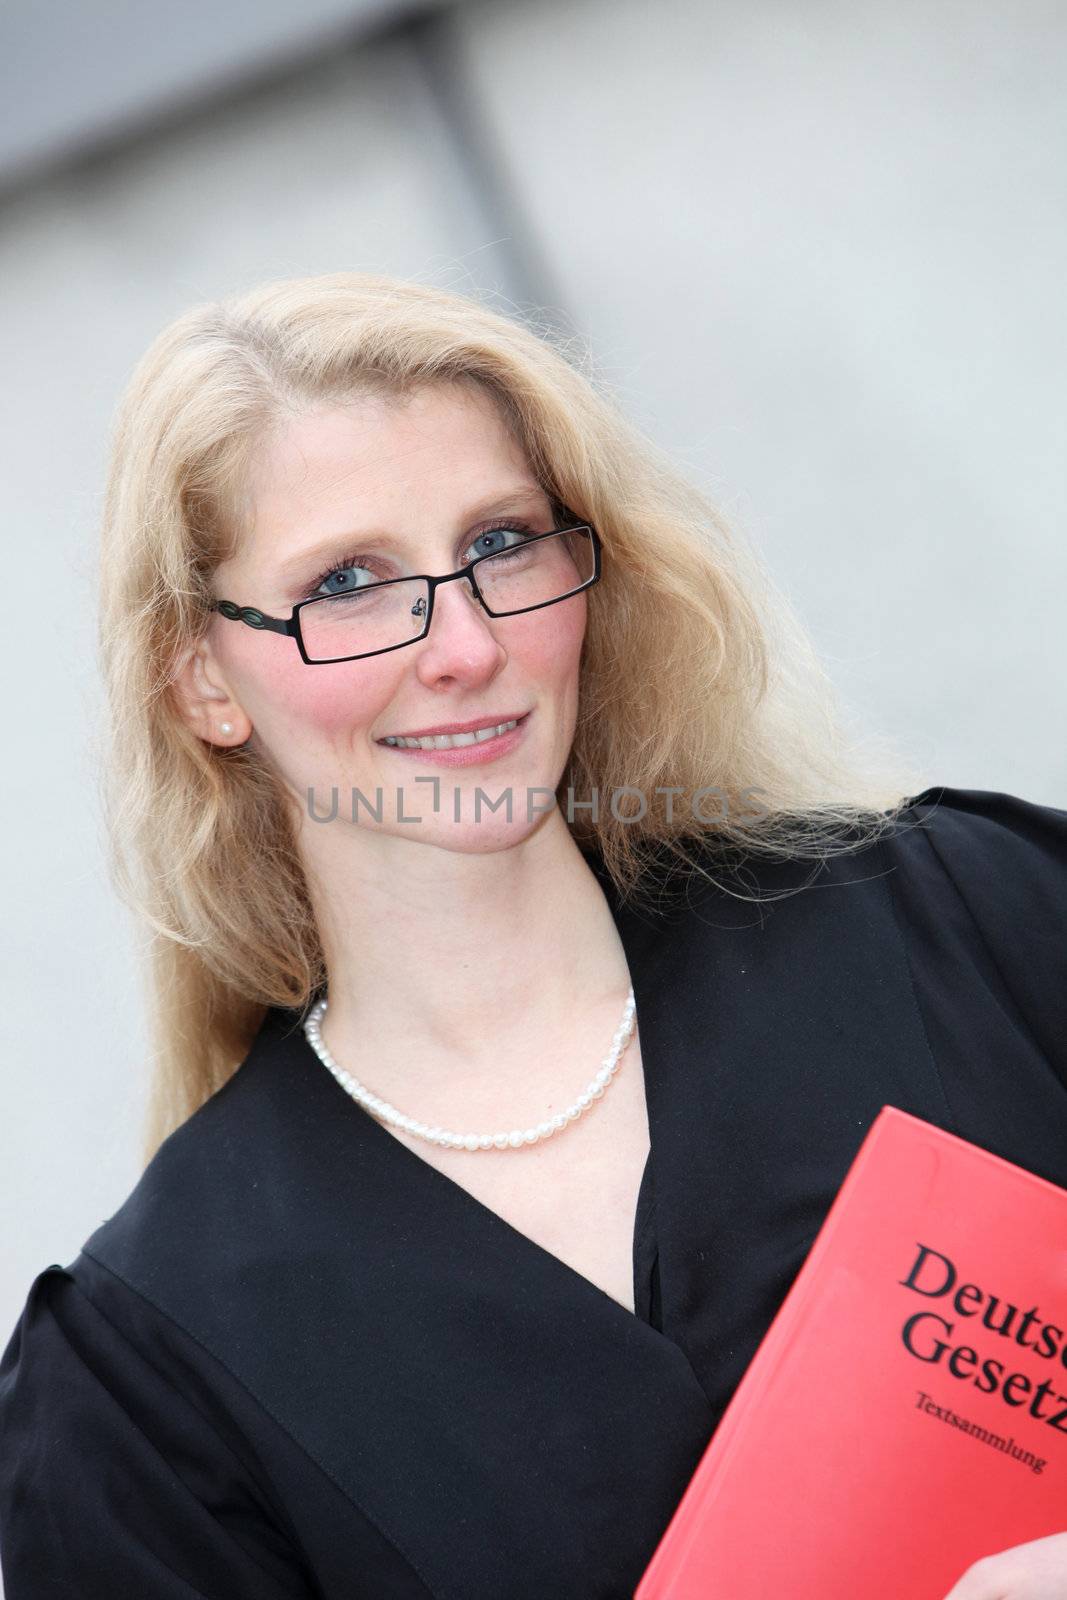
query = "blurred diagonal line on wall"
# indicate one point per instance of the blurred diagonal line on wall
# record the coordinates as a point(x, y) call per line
point(435, 40)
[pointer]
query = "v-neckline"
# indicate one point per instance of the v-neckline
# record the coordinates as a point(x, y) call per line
point(640, 941)
point(377, 1132)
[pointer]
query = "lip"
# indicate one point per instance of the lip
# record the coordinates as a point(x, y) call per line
point(488, 721)
point(467, 755)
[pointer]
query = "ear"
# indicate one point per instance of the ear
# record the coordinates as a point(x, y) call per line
point(204, 700)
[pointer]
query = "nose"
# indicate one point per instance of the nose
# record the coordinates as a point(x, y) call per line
point(461, 641)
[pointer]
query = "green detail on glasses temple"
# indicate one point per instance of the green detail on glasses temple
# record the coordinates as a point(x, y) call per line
point(255, 619)
point(369, 620)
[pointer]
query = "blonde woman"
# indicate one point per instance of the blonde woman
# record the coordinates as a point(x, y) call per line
point(529, 951)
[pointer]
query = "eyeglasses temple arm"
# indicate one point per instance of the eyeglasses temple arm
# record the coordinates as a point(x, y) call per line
point(255, 618)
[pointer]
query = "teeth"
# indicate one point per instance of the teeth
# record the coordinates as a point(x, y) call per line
point(451, 741)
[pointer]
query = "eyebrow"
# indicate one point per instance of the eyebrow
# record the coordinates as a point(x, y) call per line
point(302, 566)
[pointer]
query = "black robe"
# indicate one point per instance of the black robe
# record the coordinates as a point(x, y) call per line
point(301, 1361)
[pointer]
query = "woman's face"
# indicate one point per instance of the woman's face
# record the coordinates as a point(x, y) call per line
point(406, 487)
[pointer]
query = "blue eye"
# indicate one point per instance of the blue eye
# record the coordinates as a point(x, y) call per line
point(326, 583)
point(483, 545)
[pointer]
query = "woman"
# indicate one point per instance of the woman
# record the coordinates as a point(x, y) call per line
point(400, 1306)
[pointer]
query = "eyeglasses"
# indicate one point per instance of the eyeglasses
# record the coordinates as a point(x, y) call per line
point(377, 617)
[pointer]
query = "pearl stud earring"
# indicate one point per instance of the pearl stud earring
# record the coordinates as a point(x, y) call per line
point(225, 727)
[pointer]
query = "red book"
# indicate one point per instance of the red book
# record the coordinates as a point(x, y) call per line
point(906, 1411)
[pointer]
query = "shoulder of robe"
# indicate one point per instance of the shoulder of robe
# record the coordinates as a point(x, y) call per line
point(1005, 856)
point(992, 867)
point(118, 1473)
point(987, 841)
point(1002, 858)
point(209, 1190)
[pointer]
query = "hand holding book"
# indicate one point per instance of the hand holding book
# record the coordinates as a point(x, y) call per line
point(1033, 1571)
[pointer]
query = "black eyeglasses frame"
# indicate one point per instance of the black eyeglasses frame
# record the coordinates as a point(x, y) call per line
point(290, 625)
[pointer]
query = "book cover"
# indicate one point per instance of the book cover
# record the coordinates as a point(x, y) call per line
point(906, 1411)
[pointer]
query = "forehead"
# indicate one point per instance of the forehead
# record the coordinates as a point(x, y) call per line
point(377, 455)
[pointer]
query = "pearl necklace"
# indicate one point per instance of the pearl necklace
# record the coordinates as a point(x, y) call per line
point(473, 1141)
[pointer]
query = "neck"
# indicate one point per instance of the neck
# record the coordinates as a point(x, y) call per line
point(467, 970)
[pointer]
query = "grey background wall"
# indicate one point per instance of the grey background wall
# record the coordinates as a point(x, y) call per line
point(818, 249)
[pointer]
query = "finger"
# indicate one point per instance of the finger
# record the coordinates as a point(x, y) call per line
point(981, 1581)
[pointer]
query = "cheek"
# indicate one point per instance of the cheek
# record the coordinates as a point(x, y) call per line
point(303, 702)
point(547, 644)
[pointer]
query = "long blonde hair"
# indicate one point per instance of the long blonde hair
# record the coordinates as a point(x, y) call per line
point(695, 673)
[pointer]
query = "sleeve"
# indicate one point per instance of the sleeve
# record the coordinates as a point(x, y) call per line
point(1007, 859)
point(112, 1483)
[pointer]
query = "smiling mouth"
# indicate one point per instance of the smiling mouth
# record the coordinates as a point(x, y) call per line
point(454, 741)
